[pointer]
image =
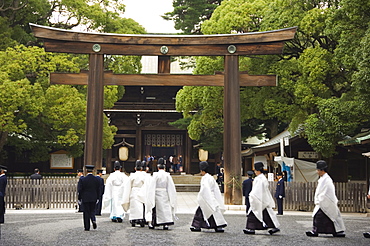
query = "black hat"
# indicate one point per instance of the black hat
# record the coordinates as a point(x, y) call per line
point(203, 165)
point(80, 170)
point(160, 161)
point(258, 166)
point(279, 174)
point(321, 164)
point(99, 171)
point(117, 165)
point(138, 164)
point(3, 167)
point(89, 167)
point(143, 164)
point(250, 173)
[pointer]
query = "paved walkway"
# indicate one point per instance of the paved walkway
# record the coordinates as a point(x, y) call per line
point(60, 227)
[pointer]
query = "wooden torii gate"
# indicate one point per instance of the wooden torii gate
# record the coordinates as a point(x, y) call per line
point(231, 46)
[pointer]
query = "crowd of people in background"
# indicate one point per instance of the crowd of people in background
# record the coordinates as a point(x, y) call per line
point(173, 163)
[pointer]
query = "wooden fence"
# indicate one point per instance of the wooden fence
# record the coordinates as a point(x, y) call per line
point(61, 192)
point(46, 193)
point(300, 196)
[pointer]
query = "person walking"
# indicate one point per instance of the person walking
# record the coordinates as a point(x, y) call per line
point(326, 215)
point(131, 200)
point(260, 215)
point(102, 188)
point(89, 188)
point(160, 199)
point(211, 204)
point(3, 183)
point(247, 188)
point(113, 194)
point(280, 193)
point(80, 174)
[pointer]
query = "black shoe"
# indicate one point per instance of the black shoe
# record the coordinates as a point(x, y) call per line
point(274, 230)
point(339, 234)
point(94, 225)
point(366, 234)
point(165, 227)
point(142, 223)
point(114, 220)
point(219, 230)
point(150, 225)
point(195, 229)
point(87, 230)
point(311, 234)
point(279, 214)
point(133, 224)
point(119, 220)
point(249, 231)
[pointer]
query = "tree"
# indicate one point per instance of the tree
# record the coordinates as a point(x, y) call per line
point(34, 115)
point(189, 15)
point(321, 78)
point(92, 15)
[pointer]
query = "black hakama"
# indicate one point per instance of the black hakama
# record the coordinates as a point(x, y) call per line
point(199, 222)
point(254, 224)
point(322, 223)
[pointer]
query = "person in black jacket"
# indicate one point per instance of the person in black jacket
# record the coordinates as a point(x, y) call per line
point(247, 187)
point(36, 174)
point(280, 193)
point(3, 183)
point(89, 190)
point(102, 186)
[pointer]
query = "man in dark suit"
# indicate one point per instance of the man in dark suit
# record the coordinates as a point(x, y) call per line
point(247, 187)
point(3, 183)
point(280, 193)
point(102, 186)
point(80, 174)
point(89, 190)
point(36, 174)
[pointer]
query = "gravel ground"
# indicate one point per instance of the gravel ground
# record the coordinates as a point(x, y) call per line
point(67, 229)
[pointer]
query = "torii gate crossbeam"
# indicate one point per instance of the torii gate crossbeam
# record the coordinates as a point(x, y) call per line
point(231, 46)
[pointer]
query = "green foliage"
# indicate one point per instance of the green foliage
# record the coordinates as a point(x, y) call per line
point(323, 73)
point(38, 117)
point(35, 116)
point(189, 15)
point(237, 15)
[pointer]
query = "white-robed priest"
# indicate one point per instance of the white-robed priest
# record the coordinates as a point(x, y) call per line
point(133, 189)
point(326, 215)
point(211, 204)
point(113, 194)
point(260, 214)
point(161, 199)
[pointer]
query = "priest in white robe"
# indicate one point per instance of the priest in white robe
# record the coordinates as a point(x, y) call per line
point(211, 204)
point(113, 194)
point(161, 199)
point(131, 200)
point(326, 215)
point(260, 215)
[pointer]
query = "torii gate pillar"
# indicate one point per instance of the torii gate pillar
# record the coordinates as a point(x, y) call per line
point(232, 131)
point(94, 117)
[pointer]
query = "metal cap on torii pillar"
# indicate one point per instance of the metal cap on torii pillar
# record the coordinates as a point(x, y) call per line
point(231, 46)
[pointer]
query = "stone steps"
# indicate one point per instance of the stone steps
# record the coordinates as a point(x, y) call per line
point(186, 182)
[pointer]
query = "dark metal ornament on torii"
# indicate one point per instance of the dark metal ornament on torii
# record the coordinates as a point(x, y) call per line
point(231, 46)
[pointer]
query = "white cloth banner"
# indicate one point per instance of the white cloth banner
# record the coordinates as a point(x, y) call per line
point(304, 171)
